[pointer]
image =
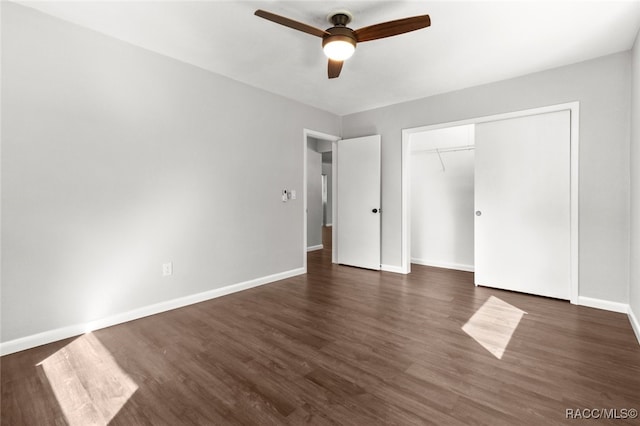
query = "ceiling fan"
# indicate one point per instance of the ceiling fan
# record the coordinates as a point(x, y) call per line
point(339, 42)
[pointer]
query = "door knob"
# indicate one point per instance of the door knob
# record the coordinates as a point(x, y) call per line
point(478, 213)
point(375, 210)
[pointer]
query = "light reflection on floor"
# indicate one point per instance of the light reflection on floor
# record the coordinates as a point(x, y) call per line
point(493, 325)
point(88, 383)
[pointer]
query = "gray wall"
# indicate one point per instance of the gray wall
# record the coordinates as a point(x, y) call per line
point(314, 194)
point(116, 159)
point(602, 86)
point(324, 145)
point(634, 286)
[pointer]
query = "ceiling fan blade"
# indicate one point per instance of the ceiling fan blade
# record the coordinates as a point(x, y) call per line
point(291, 23)
point(334, 68)
point(391, 28)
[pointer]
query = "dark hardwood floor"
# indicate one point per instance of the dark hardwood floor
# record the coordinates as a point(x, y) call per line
point(339, 345)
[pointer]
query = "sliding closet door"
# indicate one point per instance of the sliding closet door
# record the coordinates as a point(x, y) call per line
point(522, 203)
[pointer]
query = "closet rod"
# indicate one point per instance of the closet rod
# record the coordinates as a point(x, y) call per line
point(452, 149)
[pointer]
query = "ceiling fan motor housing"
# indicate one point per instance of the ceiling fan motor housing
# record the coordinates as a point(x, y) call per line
point(339, 34)
point(339, 31)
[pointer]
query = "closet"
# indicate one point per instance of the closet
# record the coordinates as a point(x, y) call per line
point(495, 197)
point(442, 185)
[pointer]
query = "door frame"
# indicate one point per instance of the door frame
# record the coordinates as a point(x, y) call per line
point(574, 108)
point(306, 133)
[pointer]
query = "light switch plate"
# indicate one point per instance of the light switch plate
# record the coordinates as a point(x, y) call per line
point(167, 269)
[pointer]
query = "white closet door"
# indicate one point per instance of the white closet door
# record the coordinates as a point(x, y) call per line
point(522, 203)
point(358, 198)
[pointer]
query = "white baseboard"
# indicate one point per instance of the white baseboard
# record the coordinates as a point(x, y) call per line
point(633, 319)
point(603, 304)
point(394, 269)
point(457, 266)
point(314, 248)
point(49, 336)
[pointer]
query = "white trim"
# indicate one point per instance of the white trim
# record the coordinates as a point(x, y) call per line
point(405, 161)
point(314, 248)
point(392, 268)
point(446, 265)
point(49, 336)
point(305, 212)
point(574, 107)
point(334, 202)
point(606, 305)
point(635, 325)
point(329, 225)
point(574, 182)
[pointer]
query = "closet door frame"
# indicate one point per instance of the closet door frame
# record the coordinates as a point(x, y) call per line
point(573, 107)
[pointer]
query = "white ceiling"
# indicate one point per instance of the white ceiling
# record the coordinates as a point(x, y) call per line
point(469, 43)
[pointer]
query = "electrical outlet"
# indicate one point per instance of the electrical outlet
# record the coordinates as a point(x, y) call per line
point(167, 269)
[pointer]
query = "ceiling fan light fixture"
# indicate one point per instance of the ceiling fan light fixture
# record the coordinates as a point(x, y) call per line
point(338, 48)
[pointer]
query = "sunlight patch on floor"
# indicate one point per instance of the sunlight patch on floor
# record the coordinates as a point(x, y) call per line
point(88, 383)
point(493, 325)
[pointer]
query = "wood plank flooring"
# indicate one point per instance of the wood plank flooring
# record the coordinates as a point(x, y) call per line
point(341, 346)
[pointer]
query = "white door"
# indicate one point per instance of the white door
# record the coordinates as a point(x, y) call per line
point(358, 202)
point(522, 203)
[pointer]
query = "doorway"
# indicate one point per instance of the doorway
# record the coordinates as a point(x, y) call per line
point(409, 136)
point(319, 187)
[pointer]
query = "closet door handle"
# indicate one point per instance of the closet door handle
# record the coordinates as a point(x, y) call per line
point(374, 211)
point(478, 213)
